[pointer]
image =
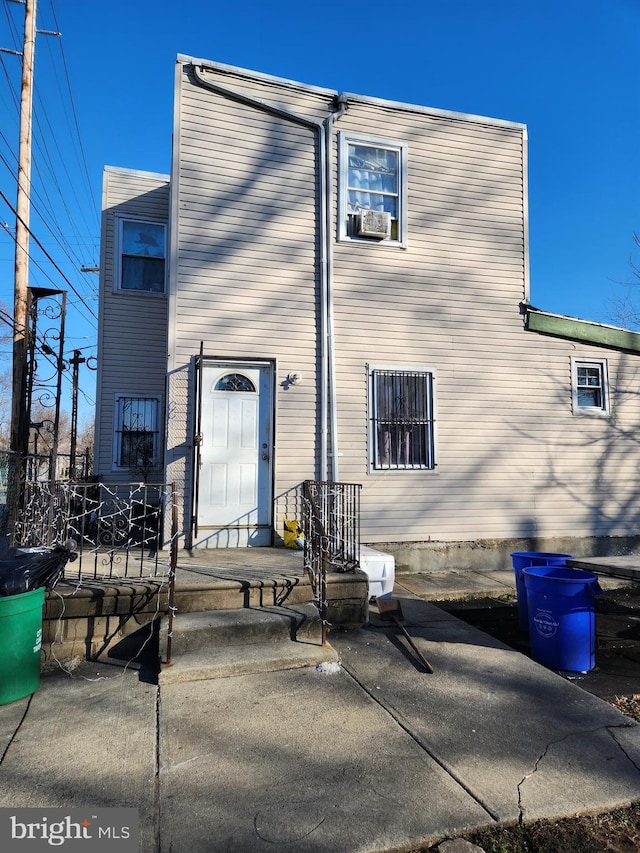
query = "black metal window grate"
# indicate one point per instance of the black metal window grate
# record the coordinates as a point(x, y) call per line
point(402, 421)
point(137, 432)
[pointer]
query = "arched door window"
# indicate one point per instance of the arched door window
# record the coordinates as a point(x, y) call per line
point(235, 382)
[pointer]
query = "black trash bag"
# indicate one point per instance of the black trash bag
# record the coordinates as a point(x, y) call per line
point(25, 569)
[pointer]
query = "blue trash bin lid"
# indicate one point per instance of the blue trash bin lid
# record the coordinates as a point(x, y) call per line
point(564, 576)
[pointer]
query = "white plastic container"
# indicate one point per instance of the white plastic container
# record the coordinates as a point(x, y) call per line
point(380, 569)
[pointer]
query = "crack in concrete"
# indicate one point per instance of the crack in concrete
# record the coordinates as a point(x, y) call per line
point(543, 755)
point(521, 808)
point(288, 840)
point(611, 730)
point(156, 781)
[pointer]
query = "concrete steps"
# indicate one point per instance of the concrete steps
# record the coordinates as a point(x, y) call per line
point(97, 619)
point(347, 593)
point(222, 643)
point(232, 593)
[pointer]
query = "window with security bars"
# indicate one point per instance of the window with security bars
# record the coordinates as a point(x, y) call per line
point(137, 436)
point(590, 387)
point(402, 421)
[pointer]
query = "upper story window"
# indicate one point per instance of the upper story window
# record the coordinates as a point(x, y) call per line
point(402, 433)
point(373, 189)
point(142, 256)
point(137, 433)
point(590, 386)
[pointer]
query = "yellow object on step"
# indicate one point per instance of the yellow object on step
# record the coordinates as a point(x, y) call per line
point(293, 535)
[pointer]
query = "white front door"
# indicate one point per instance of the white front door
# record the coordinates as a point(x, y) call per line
point(234, 495)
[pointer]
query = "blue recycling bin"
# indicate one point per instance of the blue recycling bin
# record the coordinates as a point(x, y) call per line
point(562, 621)
point(521, 560)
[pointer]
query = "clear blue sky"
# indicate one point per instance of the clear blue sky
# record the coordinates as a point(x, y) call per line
point(568, 69)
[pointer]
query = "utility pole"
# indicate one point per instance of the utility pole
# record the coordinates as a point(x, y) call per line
point(75, 362)
point(19, 414)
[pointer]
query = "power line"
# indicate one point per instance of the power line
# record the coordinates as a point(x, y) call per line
point(35, 262)
point(48, 256)
point(8, 319)
point(24, 326)
point(75, 117)
point(43, 146)
point(45, 209)
point(61, 242)
point(12, 27)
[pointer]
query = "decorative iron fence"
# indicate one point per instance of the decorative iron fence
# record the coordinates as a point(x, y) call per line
point(39, 467)
point(121, 531)
point(6, 477)
point(331, 523)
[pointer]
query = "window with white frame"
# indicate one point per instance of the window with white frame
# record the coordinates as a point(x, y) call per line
point(402, 420)
point(137, 433)
point(590, 386)
point(142, 256)
point(373, 192)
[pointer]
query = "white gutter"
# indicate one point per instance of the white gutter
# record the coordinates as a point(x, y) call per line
point(327, 352)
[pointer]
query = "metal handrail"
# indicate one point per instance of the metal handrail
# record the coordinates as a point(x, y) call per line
point(331, 523)
point(172, 575)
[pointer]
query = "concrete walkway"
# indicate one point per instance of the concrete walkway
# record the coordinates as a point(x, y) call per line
point(377, 755)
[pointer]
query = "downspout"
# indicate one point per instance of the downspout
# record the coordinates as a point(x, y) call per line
point(324, 187)
point(341, 107)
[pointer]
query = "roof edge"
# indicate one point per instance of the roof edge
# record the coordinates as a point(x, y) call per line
point(435, 111)
point(139, 173)
point(362, 99)
point(572, 328)
point(255, 75)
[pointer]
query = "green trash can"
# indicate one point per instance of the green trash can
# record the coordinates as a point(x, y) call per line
point(20, 644)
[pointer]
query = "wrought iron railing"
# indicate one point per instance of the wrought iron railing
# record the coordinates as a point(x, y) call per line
point(120, 530)
point(39, 467)
point(331, 524)
point(7, 479)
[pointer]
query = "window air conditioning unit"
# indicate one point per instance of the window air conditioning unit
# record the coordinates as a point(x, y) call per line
point(373, 223)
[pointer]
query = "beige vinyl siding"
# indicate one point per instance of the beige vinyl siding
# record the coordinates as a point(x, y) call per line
point(132, 356)
point(513, 460)
point(245, 279)
point(448, 302)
